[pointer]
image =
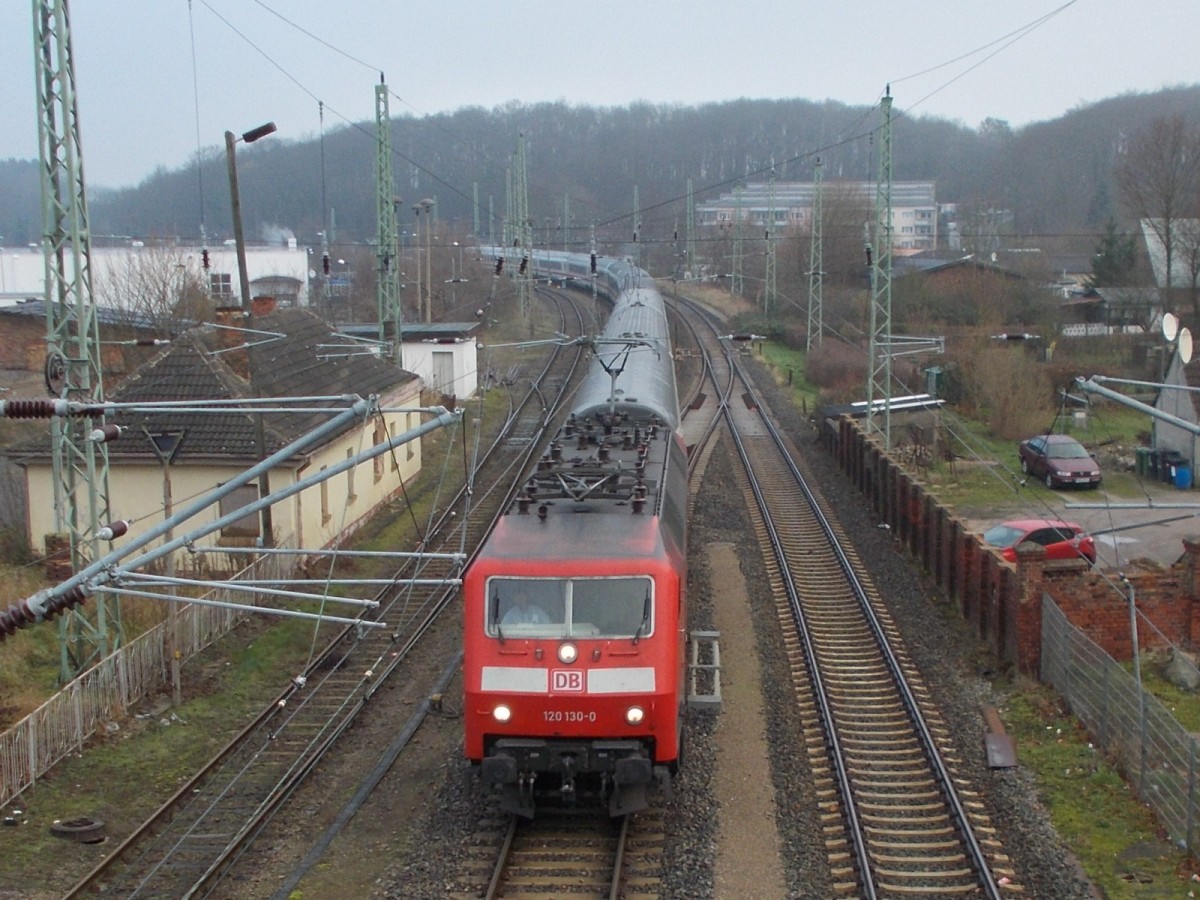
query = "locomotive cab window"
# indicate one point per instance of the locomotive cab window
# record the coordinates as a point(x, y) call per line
point(576, 607)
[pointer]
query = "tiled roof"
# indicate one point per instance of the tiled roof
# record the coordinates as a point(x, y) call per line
point(105, 315)
point(200, 365)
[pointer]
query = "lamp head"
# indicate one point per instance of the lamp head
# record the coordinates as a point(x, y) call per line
point(260, 132)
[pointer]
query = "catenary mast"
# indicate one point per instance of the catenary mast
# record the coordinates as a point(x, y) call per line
point(387, 290)
point(86, 633)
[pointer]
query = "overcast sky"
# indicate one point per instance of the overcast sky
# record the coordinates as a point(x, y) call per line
point(138, 62)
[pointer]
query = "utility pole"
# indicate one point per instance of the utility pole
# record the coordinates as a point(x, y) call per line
point(81, 503)
point(769, 295)
point(524, 234)
point(879, 384)
point(637, 228)
point(816, 266)
point(737, 285)
point(691, 230)
point(593, 252)
point(566, 222)
point(475, 209)
point(387, 283)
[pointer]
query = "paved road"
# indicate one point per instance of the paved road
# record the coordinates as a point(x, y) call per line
point(1124, 528)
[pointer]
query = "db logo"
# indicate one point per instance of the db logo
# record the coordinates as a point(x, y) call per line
point(566, 680)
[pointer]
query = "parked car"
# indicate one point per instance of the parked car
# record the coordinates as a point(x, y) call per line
point(1062, 540)
point(1059, 460)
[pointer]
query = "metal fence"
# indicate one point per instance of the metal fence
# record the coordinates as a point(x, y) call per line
point(1159, 757)
point(106, 691)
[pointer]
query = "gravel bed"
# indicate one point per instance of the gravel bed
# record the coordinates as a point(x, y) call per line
point(953, 663)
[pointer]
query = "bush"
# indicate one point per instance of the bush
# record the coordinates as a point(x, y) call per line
point(839, 370)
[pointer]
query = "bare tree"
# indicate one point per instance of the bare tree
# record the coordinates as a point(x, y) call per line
point(1158, 180)
point(1187, 236)
point(155, 288)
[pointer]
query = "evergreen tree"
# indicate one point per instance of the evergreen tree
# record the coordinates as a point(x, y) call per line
point(1115, 258)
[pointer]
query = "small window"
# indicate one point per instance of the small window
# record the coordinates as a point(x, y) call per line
point(248, 525)
point(220, 284)
point(350, 495)
point(378, 438)
point(325, 514)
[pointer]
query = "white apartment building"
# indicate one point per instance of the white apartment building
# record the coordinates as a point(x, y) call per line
point(914, 207)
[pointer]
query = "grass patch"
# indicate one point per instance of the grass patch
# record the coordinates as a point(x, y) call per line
point(131, 767)
point(787, 365)
point(1116, 839)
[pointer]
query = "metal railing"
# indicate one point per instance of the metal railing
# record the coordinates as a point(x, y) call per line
point(105, 692)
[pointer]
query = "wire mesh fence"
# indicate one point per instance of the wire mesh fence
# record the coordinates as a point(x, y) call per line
point(1159, 757)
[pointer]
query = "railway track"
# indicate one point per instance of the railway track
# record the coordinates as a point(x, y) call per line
point(573, 852)
point(196, 837)
point(897, 818)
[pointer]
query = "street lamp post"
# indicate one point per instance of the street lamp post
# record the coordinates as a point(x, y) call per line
point(235, 202)
point(249, 137)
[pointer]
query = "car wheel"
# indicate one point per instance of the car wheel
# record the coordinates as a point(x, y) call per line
point(1049, 481)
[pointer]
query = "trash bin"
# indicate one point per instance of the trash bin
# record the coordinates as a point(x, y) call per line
point(1141, 463)
point(1171, 460)
point(1183, 477)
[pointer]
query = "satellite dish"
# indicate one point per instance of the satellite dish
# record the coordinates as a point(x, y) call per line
point(1185, 346)
point(1170, 326)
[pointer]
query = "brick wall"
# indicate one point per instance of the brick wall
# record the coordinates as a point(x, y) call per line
point(22, 343)
point(1002, 600)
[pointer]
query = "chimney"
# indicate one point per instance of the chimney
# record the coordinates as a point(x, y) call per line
point(263, 306)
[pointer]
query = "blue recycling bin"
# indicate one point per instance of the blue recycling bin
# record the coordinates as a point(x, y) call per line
point(1183, 477)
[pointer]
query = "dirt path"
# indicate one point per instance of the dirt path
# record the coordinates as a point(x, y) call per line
point(748, 846)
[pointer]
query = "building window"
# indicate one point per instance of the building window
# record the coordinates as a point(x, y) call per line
point(248, 525)
point(325, 515)
point(378, 438)
point(350, 495)
point(220, 284)
point(408, 426)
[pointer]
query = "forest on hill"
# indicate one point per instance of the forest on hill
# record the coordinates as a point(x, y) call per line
point(584, 166)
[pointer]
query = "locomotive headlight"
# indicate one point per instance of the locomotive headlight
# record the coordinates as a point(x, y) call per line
point(634, 715)
point(502, 713)
point(567, 653)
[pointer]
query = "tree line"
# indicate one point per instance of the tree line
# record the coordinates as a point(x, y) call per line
point(1056, 179)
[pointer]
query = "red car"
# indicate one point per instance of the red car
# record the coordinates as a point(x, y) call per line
point(1062, 540)
point(1059, 460)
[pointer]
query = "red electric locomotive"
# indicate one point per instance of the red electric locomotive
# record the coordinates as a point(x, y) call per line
point(574, 610)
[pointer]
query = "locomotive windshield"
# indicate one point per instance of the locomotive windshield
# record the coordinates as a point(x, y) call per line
point(570, 607)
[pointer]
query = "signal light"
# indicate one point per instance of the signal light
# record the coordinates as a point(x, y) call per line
point(325, 263)
point(524, 265)
point(499, 265)
point(204, 259)
point(593, 263)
